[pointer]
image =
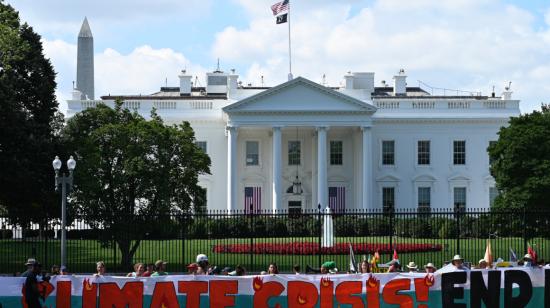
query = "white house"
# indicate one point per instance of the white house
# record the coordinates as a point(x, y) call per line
point(300, 144)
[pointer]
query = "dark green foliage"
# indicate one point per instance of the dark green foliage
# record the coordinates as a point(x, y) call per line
point(521, 162)
point(131, 172)
point(29, 122)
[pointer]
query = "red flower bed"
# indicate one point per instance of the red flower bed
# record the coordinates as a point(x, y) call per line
point(312, 248)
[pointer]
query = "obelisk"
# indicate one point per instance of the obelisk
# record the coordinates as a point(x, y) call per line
point(85, 61)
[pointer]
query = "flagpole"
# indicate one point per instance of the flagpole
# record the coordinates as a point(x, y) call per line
point(290, 77)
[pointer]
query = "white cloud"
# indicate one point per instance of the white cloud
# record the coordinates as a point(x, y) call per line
point(142, 71)
point(462, 44)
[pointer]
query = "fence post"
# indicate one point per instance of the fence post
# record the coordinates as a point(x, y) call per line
point(320, 233)
point(251, 234)
point(184, 223)
point(524, 228)
point(392, 213)
point(457, 212)
point(114, 254)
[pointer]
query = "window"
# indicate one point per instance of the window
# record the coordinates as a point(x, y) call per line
point(201, 145)
point(336, 152)
point(424, 199)
point(388, 152)
point(424, 152)
point(460, 198)
point(459, 152)
point(491, 143)
point(493, 193)
point(294, 208)
point(294, 151)
point(252, 153)
point(388, 199)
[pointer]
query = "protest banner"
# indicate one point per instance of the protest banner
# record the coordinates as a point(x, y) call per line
point(505, 287)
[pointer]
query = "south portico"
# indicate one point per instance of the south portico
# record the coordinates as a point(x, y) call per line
point(299, 132)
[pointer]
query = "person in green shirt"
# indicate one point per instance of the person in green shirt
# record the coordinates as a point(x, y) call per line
point(160, 267)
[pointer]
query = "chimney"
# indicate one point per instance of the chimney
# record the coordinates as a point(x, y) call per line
point(77, 95)
point(349, 81)
point(507, 94)
point(232, 83)
point(185, 83)
point(400, 83)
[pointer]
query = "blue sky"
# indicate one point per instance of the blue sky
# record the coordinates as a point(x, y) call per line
point(457, 44)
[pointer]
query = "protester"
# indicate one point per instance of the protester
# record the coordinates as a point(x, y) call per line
point(413, 268)
point(240, 270)
point(482, 264)
point(296, 269)
point(100, 269)
point(160, 267)
point(430, 268)
point(63, 270)
point(395, 266)
point(458, 263)
point(192, 268)
point(364, 267)
point(139, 270)
point(273, 269)
point(31, 262)
point(55, 270)
point(32, 294)
point(225, 271)
point(202, 261)
point(528, 261)
point(149, 271)
point(329, 267)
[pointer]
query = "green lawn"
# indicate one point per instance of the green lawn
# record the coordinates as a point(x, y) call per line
point(82, 254)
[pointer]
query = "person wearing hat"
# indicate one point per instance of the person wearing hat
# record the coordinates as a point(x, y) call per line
point(528, 261)
point(395, 266)
point(430, 268)
point(202, 261)
point(160, 267)
point(32, 294)
point(458, 263)
point(31, 262)
point(329, 267)
point(413, 268)
point(482, 264)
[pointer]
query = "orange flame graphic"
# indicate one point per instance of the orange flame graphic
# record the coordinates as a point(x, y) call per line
point(87, 285)
point(257, 283)
point(373, 282)
point(429, 280)
point(325, 282)
point(301, 300)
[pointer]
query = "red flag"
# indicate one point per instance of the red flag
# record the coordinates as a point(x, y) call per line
point(395, 256)
point(532, 252)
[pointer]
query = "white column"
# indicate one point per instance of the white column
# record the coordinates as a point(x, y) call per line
point(322, 193)
point(366, 160)
point(277, 166)
point(231, 168)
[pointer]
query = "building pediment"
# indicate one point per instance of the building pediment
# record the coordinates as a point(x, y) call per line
point(300, 95)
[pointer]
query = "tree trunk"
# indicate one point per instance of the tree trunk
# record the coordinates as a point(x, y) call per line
point(127, 252)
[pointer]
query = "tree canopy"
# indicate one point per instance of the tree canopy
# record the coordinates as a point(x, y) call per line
point(520, 161)
point(132, 172)
point(29, 120)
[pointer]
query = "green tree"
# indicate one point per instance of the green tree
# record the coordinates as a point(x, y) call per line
point(29, 120)
point(132, 173)
point(520, 162)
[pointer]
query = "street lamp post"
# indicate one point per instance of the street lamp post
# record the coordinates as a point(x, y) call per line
point(63, 181)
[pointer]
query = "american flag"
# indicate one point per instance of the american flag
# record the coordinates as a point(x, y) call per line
point(337, 199)
point(280, 7)
point(253, 196)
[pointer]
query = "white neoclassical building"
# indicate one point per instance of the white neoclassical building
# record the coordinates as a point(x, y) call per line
point(359, 146)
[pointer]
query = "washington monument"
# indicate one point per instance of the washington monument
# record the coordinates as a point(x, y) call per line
point(85, 62)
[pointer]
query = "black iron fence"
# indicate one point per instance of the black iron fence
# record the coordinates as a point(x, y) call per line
point(254, 240)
